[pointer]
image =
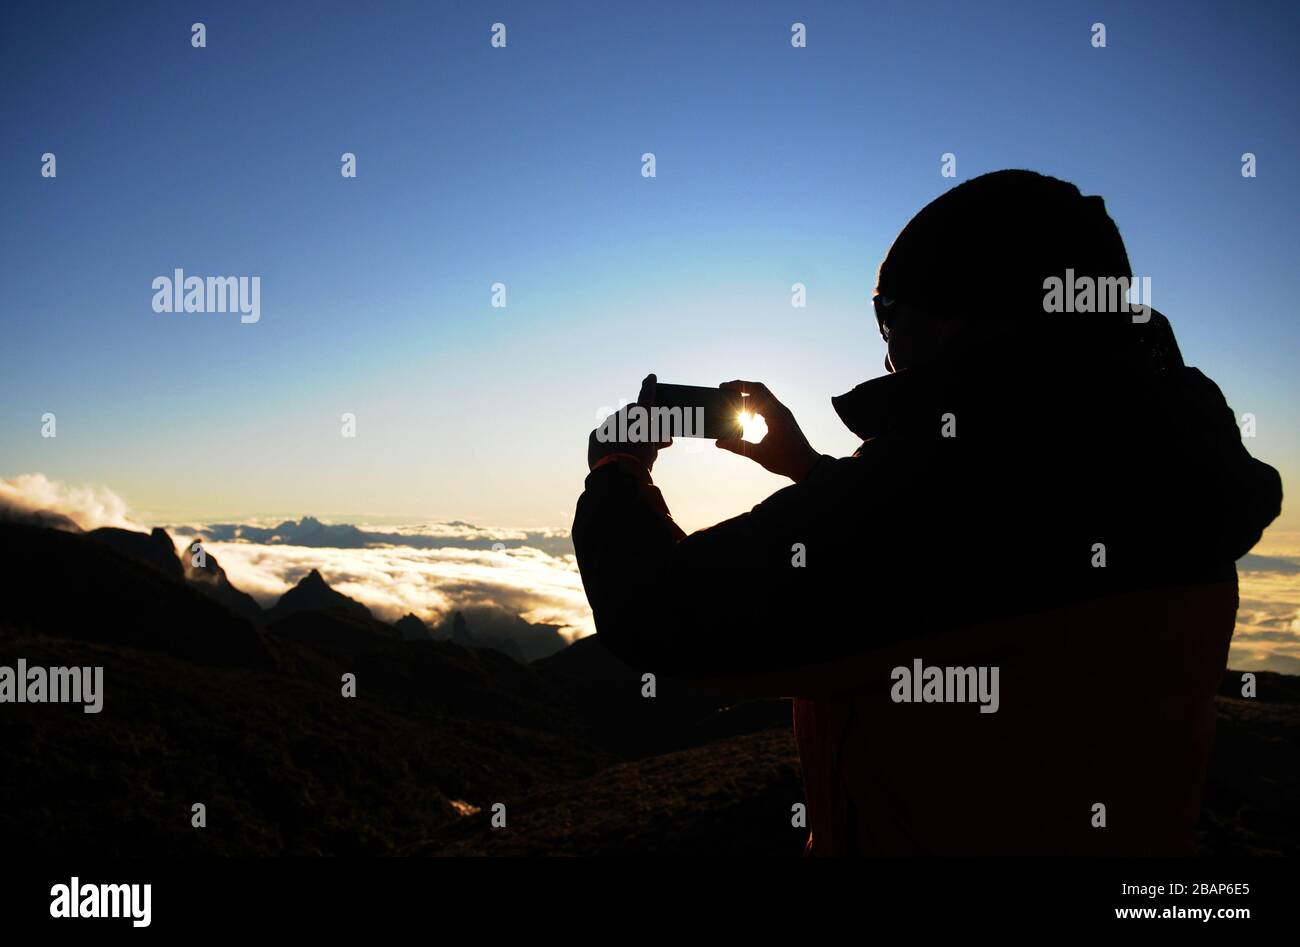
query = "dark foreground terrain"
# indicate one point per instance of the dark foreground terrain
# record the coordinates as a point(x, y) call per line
point(210, 700)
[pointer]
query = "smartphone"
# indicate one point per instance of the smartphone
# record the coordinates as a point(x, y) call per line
point(704, 412)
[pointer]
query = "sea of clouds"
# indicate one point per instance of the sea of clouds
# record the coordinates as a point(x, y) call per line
point(431, 569)
point(1267, 637)
point(425, 569)
point(393, 581)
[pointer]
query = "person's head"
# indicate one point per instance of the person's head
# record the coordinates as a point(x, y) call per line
point(969, 269)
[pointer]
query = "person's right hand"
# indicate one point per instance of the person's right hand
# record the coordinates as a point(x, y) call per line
point(783, 450)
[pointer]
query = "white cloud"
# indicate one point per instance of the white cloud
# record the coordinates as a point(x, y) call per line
point(88, 506)
point(1267, 636)
point(394, 580)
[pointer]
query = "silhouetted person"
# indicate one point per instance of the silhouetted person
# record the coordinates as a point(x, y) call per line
point(1051, 494)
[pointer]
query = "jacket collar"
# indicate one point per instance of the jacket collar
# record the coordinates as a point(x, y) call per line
point(890, 402)
point(973, 375)
point(980, 376)
point(874, 407)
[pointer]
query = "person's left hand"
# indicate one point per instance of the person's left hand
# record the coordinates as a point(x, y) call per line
point(783, 450)
point(644, 451)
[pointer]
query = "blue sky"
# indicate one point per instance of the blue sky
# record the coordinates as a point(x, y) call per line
point(522, 165)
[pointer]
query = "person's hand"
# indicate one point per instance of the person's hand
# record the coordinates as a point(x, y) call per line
point(604, 439)
point(783, 450)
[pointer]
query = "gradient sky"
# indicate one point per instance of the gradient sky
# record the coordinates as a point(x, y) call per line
point(522, 165)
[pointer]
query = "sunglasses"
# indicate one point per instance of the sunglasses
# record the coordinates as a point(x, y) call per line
point(885, 309)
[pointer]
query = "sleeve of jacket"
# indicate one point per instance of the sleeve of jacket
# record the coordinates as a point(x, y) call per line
point(723, 602)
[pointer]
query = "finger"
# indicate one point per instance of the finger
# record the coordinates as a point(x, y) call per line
point(757, 391)
point(736, 445)
point(646, 398)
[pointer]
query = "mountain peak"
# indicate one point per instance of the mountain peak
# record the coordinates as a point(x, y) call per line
point(313, 593)
point(412, 628)
point(154, 548)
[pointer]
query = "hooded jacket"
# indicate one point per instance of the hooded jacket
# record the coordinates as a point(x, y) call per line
point(1072, 523)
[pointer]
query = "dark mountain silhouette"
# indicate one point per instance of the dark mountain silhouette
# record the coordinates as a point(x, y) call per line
point(82, 587)
point(487, 626)
point(460, 630)
point(157, 550)
point(334, 630)
point(199, 706)
point(210, 579)
point(334, 621)
point(309, 531)
point(411, 628)
point(155, 547)
point(456, 629)
point(46, 518)
point(312, 593)
point(610, 698)
point(313, 613)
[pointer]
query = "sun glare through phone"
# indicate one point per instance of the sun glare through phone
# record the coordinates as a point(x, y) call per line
point(754, 427)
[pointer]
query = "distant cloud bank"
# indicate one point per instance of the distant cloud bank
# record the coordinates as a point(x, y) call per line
point(310, 531)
